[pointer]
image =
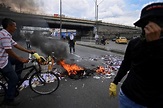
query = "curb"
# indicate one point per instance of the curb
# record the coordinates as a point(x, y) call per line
point(102, 48)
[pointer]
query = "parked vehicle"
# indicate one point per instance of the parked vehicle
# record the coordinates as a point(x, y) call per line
point(114, 38)
point(121, 40)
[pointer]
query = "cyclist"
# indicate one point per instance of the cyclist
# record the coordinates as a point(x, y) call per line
point(8, 58)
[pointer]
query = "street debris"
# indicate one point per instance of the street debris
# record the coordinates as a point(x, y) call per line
point(108, 70)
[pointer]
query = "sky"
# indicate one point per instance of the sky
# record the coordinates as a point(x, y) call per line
point(124, 12)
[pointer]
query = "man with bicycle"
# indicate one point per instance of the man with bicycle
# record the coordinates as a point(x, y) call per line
point(8, 58)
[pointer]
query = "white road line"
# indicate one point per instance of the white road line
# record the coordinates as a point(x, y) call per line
point(76, 55)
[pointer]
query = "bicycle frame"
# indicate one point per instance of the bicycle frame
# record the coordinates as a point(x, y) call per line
point(32, 68)
point(34, 73)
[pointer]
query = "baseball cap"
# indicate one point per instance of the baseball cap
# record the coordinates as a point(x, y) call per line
point(153, 10)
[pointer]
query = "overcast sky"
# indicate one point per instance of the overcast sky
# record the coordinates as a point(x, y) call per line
point(124, 12)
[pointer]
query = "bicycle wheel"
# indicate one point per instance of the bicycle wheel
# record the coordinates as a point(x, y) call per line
point(2, 91)
point(44, 82)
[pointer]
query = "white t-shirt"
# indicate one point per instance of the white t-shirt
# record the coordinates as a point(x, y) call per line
point(71, 37)
point(6, 42)
point(96, 36)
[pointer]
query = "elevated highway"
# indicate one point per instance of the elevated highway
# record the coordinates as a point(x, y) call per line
point(32, 20)
point(83, 27)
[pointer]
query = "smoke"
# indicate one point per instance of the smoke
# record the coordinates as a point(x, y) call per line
point(29, 6)
point(37, 39)
point(47, 46)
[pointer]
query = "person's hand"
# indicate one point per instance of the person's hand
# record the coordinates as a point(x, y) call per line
point(152, 31)
point(32, 51)
point(40, 59)
point(112, 90)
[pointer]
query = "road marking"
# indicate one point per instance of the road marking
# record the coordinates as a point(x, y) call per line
point(76, 55)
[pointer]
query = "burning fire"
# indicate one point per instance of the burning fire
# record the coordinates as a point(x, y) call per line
point(102, 70)
point(72, 69)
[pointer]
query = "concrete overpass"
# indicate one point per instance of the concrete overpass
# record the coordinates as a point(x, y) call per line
point(83, 27)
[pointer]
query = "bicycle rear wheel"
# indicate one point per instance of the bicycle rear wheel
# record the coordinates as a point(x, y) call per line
point(2, 91)
point(44, 82)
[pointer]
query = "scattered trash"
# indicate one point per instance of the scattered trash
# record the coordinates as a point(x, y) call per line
point(96, 77)
point(109, 69)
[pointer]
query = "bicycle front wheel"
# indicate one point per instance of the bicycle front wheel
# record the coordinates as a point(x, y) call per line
point(44, 82)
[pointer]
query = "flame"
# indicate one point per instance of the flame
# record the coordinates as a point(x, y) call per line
point(70, 68)
point(101, 69)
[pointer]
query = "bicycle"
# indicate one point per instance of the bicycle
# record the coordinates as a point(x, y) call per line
point(41, 82)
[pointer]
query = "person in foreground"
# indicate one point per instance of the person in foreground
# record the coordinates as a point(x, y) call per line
point(143, 63)
point(8, 58)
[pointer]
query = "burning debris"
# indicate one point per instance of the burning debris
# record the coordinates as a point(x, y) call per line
point(71, 69)
point(111, 66)
point(74, 71)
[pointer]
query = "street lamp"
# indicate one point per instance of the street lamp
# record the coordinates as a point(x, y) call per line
point(96, 14)
point(60, 18)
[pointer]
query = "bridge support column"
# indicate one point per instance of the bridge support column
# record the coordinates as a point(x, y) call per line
point(84, 33)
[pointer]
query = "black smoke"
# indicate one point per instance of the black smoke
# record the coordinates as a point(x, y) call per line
point(48, 45)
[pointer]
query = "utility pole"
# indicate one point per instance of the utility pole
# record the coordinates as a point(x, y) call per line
point(60, 18)
point(96, 15)
point(95, 10)
point(95, 27)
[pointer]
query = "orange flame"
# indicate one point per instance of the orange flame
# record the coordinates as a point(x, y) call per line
point(70, 68)
point(102, 70)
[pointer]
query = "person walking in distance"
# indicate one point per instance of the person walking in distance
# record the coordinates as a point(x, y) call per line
point(8, 58)
point(96, 39)
point(72, 43)
point(143, 63)
point(28, 43)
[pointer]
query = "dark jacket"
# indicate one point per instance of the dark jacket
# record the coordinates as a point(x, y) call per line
point(71, 43)
point(144, 62)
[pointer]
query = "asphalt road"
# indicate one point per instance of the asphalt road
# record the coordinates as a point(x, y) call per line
point(89, 92)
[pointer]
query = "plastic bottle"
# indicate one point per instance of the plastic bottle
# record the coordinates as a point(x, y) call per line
point(50, 66)
point(49, 58)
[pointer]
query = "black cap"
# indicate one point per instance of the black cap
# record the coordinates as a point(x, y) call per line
point(150, 11)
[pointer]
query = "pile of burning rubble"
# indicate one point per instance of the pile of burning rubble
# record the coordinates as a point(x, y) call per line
point(109, 69)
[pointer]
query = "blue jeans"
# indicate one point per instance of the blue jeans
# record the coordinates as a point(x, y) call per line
point(10, 73)
point(125, 102)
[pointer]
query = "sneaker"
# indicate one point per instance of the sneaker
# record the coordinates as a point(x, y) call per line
point(11, 103)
